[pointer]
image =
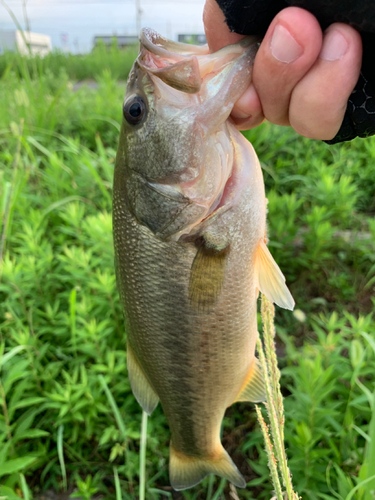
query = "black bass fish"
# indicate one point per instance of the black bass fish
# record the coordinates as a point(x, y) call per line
point(189, 221)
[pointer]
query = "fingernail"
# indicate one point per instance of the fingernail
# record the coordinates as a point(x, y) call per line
point(238, 113)
point(283, 46)
point(334, 46)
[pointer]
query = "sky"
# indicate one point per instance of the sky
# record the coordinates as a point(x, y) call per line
point(81, 20)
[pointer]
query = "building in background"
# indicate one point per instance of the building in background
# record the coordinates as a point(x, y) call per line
point(121, 41)
point(195, 38)
point(14, 41)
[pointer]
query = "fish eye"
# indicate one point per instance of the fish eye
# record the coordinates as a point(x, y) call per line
point(134, 110)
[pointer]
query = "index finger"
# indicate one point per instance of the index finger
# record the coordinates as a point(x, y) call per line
point(218, 34)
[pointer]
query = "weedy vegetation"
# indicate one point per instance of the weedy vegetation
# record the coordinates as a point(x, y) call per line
point(75, 66)
point(273, 433)
point(68, 419)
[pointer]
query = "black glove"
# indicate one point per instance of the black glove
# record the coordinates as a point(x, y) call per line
point(252, 17)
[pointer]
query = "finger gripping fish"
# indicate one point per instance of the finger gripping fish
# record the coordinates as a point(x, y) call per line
point(189, 221)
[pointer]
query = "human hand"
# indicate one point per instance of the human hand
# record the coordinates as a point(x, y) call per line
point(302, 77)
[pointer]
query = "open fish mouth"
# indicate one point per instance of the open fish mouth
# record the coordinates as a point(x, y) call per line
point(184, 66)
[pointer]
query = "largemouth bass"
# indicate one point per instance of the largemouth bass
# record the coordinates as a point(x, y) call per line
point(189, 220)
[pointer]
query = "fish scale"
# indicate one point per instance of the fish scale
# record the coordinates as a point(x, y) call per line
point(165, 334)
point(189, 285)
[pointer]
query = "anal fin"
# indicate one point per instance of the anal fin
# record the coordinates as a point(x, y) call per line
point(142, 390)
point(253, 389)
point(271, 280)
point(186, 471)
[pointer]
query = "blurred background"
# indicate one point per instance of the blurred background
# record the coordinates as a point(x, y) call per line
point(75, 25)
point(69, 424)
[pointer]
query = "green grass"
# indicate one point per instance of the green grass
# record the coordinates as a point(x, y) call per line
point(76, 67)
point(67, 414)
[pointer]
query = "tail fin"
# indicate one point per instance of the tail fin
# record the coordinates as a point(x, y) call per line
point(186, 471)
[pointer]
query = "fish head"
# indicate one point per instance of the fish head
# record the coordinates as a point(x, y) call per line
point(175, 154)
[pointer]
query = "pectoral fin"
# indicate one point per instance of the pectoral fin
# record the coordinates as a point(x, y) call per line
point(207, 275)
point(271, 280)
point(142, 390)
point(253, 389)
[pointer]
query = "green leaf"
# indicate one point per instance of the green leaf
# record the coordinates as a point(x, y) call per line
point(10, 354)
point(115, 409)
point(360, 485)
point(16, 464)
point(32, 433)
point(60, 451)
point(25, 421)
point(369, 339)
point(369, 464)
point(7, 493)
point(159, 492)
point(64, 201)
point(25, 488)
point(117, 484)
point(4, 450)
point(258, 480)
point(29, 402)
